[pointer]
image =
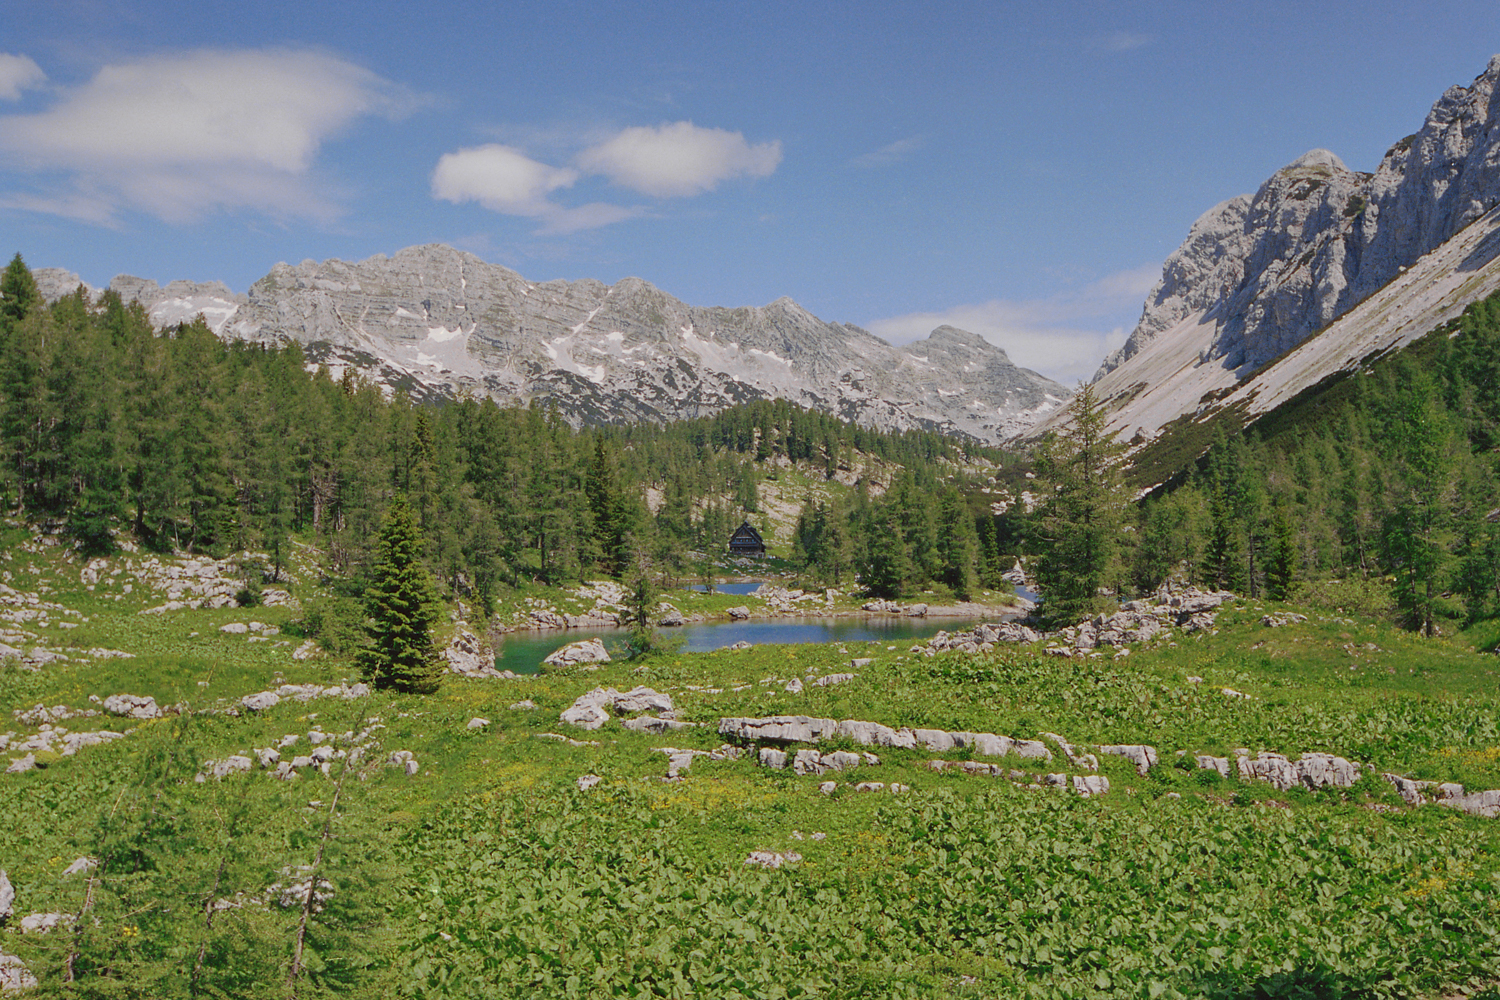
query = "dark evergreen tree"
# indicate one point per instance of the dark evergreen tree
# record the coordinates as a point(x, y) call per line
point(1415, 538)
point(885, 568)
point(18, 293)
point(1281, 557)
point(958, 544)
point(1081, 508)
point(402, 607)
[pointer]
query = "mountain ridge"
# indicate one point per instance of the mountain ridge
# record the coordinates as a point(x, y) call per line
point(436, 321)
point(1274, 291)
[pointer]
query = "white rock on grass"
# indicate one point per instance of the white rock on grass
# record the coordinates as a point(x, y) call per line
point(1090, 784)
point(833, 679)
point(587, 781)
point(592, 710)
point(771, 859)
point(526, 704)
point(260, 701)
point(477, 723)
point(43, 923)
point(467, 657)
point(7, 897)
point(584, 716)
point(132, 706)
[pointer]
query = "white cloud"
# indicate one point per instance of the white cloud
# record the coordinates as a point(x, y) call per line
point(182, 134)
point(893, 153)
point(500, 178)
point(1064, 337)
point(675, 160)
point(17, 73)
point(678, 159)
point(505, 180)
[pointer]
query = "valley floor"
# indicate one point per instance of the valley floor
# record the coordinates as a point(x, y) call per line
point(471, 843)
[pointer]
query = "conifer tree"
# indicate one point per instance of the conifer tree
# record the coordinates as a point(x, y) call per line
point(1081, 511)
point(958, 543)
point(18, 293)
point(1281, 560)
point(402, 606)
point(1415, 537)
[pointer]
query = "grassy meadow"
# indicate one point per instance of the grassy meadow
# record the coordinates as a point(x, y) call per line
point(491, 873)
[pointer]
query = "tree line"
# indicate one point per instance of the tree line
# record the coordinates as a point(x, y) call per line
point(1388, 478)
point(191, 442)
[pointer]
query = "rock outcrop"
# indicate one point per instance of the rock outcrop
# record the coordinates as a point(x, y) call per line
point(1188, 609)
point(594, 708)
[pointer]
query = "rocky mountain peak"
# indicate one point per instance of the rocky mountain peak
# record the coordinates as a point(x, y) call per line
point(434, 321)
point(1260, 274)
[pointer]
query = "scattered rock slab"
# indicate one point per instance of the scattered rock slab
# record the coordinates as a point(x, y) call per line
point(831, 679)
point(593, 709)
point(771, 859)
point(132, 706)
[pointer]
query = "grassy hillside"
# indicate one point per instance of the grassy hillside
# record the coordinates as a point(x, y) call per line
point(491, 872)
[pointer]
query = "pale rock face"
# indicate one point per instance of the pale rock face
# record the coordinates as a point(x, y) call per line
point(1260, 274)
point(435, 321)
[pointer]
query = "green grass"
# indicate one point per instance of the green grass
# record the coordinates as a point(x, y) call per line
point(490, 874)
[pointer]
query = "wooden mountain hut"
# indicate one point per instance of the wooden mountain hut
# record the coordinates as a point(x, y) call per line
point(746, 541)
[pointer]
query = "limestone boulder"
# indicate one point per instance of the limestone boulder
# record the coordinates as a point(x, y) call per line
point(132, 706)
point(583, 651)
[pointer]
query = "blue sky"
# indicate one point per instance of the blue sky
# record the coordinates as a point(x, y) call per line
point(1017, 169)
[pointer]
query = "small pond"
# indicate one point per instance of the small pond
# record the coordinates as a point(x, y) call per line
point(523, 652)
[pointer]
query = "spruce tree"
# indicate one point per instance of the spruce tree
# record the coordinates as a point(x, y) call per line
point(1281, 561)
point(18, 293)
point(1082, 506)
point(402, 606)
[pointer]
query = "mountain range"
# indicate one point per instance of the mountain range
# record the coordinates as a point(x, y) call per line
point(434, 321)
